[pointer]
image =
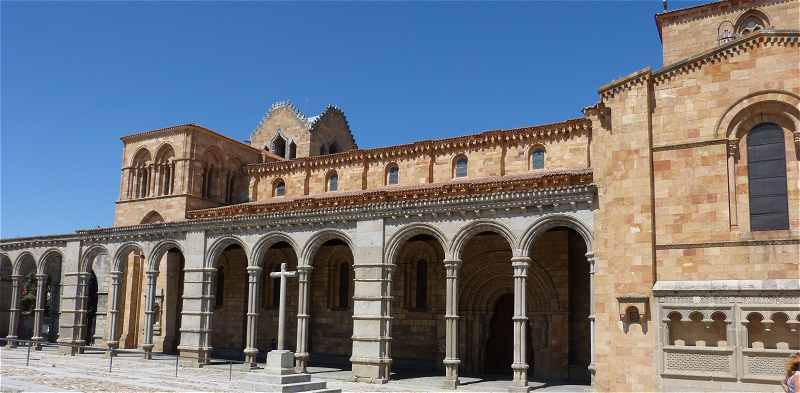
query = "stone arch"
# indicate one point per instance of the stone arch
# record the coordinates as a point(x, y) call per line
point(153, 217)
point(395, 243)
point(318, 239)
point(89, 256)
point(159, 250)
point(141, 157)
point(761, 19)
point(267, 241)
point(219, 245)
point(540, 287)
point(466, 233)
point(122, 252)
point(165, 153)
point(785, 102)
point(547, 222)
point(21, 258)
point(42, 264)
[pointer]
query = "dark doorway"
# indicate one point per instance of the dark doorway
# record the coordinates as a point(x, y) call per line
point(91, 309)
point(500, 344)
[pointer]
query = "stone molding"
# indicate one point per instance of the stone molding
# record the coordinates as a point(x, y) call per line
point(741, 243)
point(565, 129)
point(626, 83)
point(179, 129)
point(690, 145)
point(19, 243)
point(688, 14)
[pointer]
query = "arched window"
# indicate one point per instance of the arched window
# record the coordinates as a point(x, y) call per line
point(422, 285)
point(219, 294)
point(323, 150)
point(139, 175)
point(292, 150)
point(460, 166)
point(165, 170)
point(279, 188)
point(344, 285)
point(279, 146)
point(333, 148)
point(751, 22)
point(392, 174)
point(152, 218)
point(766, 177)
point(537, 158)
point(332, 183)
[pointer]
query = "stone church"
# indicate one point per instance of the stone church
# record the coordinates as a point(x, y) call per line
point(652, 243)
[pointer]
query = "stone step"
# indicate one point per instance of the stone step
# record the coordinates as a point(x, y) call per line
point(301, 387)
point(326, 391)
point(271, 379)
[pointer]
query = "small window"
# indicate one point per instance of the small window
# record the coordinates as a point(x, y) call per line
point(333, 182)
point(537, 158)
point(292, 150)
point(460, 166)
point(279, 189)
point(392, 174)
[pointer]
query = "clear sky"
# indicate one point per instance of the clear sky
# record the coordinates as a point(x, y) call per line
point(76, 77)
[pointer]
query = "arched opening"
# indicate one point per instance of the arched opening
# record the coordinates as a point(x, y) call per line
point(292, 150)
point(460, 168)
point(95, 287)
point(5, 294)
point(333, 148)
point(279, 146)
point(212, 188)
point(26, 303)
point(139, 175)
point(392, 174)
point(131, 305)
point(331, 305)
point(418, 308)
point(152, 218)
point(487, 276)
point(52, 297)
point(332, 182)
point(168, 303)
point(269, 298)
point(537, 157)
point(766, 178)
point(750, 22)
point(229, 333)
point(165, 170)
point(278, 188)
point(560, 253)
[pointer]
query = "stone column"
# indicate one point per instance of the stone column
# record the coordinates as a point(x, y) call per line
point(251, 351)
point(38, 310)
point(13, 315)
point(304, 280)
point(149, 305)
point(590, 258)
point(520, 365)
point(451, 360)
point(112, 342)
point(733, 153)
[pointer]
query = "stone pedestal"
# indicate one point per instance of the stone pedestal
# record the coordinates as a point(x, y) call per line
point(280, 362)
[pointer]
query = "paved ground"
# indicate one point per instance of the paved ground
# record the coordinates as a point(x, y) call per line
point(49, 371)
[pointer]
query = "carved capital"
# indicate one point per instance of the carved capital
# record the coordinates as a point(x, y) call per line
point(733, 148)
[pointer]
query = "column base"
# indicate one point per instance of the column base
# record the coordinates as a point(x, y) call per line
point(148, 351)
point(371, 370)
point(194, 356)
point(280, 362)
point(37, 343)
point(250, 355)
point(451, 384)
point(301, 362)
point(11, 341)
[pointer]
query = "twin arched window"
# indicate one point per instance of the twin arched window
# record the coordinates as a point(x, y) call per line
point(392, 174)
point(460, 166)
point(279, 188)
point(766, 178)
point(537, 158)
point(332, 182)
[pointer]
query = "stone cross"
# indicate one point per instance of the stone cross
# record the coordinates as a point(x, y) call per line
point(283, 274)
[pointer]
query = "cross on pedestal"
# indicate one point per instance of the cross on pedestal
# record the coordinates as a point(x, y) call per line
point(281, 361)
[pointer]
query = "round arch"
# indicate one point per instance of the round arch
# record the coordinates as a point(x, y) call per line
point(318, 239)
point(122, 251)
point(165, 152)
point(220, 245)
point(267, 241)
point(142, 156)
point(479, 226)
point(159, 250)
point(540, 287)
point(42, 265)
point(21, 258)
point(87, 260)
point(548, 222)
point(396, 242)
point(770, 101)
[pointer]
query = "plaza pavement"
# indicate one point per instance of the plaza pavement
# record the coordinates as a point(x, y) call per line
point(49, 371)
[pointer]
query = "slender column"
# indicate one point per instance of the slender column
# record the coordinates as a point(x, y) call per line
point(171, 183)
point(38, 311)
point(149, 305)
point(520, 318)
point(13, 314)
point(733, 152)
point(302, 356)
point(251, 351)
point(590, 258)
point(113, 342)
point(451, 361)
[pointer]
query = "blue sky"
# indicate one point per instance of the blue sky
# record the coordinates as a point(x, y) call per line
point(76, 77)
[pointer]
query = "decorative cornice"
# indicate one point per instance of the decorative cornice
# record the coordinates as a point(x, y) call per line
point(181, 129)
point(742, 243)
point(551, 181)
point(34, 242)
point(563, 129)
point(611, 89)
point(688, 14)
point(761, 38)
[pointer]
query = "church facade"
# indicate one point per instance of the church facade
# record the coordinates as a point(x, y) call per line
point(651, 244)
